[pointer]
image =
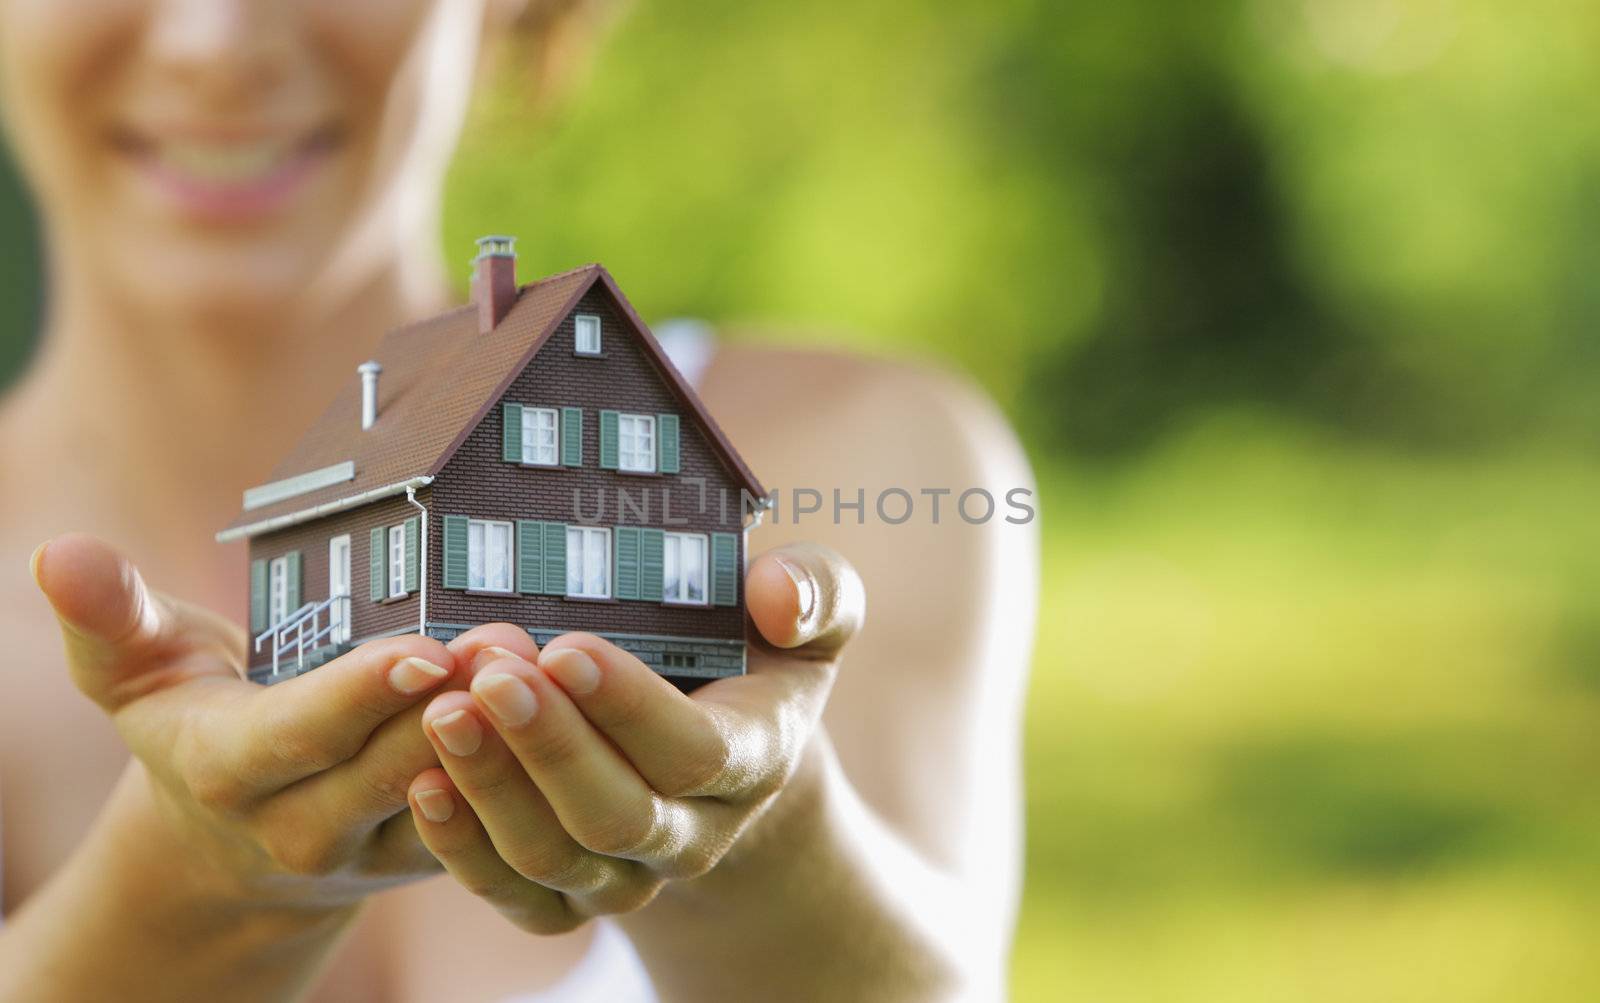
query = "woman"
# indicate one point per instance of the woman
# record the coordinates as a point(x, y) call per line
point(238, 199)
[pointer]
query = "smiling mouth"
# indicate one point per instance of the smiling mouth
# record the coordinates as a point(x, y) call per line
point(224, 178)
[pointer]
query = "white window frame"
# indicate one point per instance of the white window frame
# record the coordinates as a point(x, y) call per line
point(480, 528)
point(339, 612)
point(580, 344)
point(579, 541)
point(672, 555)
point(278, 591)
point(629, 427)
point(530, 428)
point(397, 561)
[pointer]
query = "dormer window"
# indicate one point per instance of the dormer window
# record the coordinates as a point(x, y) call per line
point(586, 334)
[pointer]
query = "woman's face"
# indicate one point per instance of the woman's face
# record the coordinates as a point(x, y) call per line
point(225, 157)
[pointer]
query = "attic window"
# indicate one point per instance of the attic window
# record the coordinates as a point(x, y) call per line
point(586, 334)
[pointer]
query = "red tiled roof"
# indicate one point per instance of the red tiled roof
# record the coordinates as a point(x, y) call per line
point(440, 377)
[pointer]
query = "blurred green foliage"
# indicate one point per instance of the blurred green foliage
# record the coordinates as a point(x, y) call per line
point(1291, 302)
point(20, 293)
point(1315, 721)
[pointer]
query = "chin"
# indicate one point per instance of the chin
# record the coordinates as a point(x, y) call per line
point(231, 281)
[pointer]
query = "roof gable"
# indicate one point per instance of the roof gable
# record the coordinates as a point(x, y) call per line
point(440, 379)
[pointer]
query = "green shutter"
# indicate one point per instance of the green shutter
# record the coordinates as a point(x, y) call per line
point(608, 440)
point(412, 535)
point(511, 433)
point(724, 569)
point(572, 437)
point(650, 547)
point(291, 562)
point(375, 564)
point(530, 556)
point(555, 558)
point(625, 582)
point(455, 551)
point(667, 443)
point(258, 596)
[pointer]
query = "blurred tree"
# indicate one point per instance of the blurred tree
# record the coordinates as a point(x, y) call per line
point(1203, 302)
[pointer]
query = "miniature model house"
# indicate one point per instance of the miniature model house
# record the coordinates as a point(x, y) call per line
point(532, 458)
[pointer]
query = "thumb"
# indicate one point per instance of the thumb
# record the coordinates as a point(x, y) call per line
point(805, 598)
point(116, 630)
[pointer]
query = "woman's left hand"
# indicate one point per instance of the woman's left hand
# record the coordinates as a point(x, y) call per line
point(576, 782)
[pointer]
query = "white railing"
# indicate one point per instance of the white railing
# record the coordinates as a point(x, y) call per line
point(303, 630)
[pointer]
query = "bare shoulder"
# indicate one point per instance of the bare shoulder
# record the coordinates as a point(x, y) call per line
point(920, 418)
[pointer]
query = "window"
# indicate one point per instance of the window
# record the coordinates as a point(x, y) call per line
point(489, 555)
point(278, 591)
point(683, 568)
point(675, 661)
point(586, 332)
point(636, 442)
point(397, 561)
point(539, 436)
point(588, 562)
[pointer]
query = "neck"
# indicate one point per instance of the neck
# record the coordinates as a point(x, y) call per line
point(178, 416)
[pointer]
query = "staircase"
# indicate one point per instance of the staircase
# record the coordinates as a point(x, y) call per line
point(304, 639)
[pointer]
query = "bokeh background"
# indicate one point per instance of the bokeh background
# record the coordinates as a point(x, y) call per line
point(1294, 304)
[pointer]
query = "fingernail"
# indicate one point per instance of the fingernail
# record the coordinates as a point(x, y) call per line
point(804, 586)
point(507, 697)
point(573, 669)
point(437, 805)
point(413, 675)
point(493, 653)
point(34, 559)
point(458, 732)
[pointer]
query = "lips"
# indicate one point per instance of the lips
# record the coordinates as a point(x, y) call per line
point(223, 177)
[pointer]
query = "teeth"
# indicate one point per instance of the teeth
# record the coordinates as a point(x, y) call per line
point(232, 163)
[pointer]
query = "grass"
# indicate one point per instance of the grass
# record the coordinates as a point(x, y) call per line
point(1312, 721)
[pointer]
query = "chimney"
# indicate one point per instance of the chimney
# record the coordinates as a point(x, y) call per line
point(494, 280)
point(369, 393)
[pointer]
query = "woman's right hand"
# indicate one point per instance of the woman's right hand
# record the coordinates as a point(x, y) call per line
point(289, 795)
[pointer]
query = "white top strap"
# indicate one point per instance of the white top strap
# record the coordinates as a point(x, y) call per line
point(690, 344)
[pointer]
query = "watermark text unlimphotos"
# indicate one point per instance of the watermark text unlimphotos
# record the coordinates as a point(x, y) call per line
point(892, 506)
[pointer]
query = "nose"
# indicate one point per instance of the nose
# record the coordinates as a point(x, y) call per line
point(217, 47)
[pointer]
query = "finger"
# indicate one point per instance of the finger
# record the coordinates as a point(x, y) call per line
point(681, 746)
point(311, 723)
point(518, 819)
point(490, 641)
point(598, 796)
point(367, 790)
point(396, 850)
point(120, 636)
point(453, 834)
point(805, 598)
